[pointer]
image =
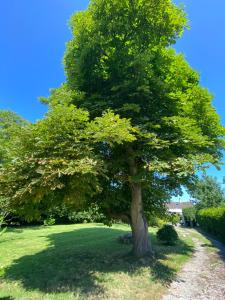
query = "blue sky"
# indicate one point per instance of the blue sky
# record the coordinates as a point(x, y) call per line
point(32, 42)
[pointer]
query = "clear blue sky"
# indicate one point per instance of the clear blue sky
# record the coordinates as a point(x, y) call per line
point(33, 34)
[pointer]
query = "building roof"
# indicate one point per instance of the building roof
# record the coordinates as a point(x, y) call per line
point(178, 205)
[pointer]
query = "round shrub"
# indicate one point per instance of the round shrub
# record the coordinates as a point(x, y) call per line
point(167, 234)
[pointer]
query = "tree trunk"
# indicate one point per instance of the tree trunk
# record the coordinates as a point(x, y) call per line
point(139, 225)
point(141, 242)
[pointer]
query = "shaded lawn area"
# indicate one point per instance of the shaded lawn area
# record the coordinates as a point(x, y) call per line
point(84, 262)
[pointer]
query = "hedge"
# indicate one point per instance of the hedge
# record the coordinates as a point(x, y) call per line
point(212, 220)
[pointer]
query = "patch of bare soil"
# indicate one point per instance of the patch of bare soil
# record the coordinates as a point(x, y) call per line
point(203, 277)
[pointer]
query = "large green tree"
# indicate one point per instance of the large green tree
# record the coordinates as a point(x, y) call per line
point(120, 57)
point(144, 124)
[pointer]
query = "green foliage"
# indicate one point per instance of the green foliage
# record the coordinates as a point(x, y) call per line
point(156, 221)
point(5, 210)
point(212, 220)
point(53, 161)
point(208, 192)
point(189, 214)
point(68, 214)
point(10, 126)
point(174, 219)
point(163, 219)
point(45, 154)
point(167, 234)
point(49, 221)
point(111, 128)
point(92, 214)
point(160, 216)
point(111, 40)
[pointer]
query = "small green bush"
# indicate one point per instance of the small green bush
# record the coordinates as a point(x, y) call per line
point(212, 220)
point(49, 221)
point(167, 234)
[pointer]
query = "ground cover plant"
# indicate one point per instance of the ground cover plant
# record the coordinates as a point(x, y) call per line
point(84, 261)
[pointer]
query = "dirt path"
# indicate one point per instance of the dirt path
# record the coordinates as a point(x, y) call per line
point(203, 277)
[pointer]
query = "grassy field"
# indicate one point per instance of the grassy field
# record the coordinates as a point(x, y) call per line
point(84, 262)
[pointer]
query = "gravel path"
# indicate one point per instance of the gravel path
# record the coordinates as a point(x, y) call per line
point(203, 277)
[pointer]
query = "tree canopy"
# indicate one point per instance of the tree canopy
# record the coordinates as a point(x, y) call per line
point(120, 58)
point(54, 159)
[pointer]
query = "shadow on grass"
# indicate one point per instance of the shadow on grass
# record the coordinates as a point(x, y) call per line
point(74, 260)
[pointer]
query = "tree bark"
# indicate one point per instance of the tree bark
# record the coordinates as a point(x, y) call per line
point(139, 225)
point(141, 242)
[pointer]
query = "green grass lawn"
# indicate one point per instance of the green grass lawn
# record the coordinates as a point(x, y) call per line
point(83, 262)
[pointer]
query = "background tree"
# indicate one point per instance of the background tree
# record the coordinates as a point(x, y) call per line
point(10, 126)
point(5, 211)
point(208, 192)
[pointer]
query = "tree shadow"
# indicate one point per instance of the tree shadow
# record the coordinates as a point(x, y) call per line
point(215, 243)
point(73, 261)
